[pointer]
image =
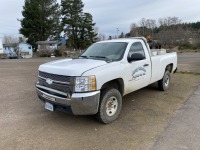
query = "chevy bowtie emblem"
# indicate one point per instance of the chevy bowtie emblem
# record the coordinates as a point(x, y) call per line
point(49, 81)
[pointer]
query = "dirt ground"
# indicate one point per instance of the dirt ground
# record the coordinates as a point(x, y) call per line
point(25, 124)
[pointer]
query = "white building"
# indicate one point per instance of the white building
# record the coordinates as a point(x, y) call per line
point(9, 48)
point(1, 45)
point(23, 49)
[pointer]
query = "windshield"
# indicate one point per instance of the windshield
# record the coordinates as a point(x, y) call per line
point(113, 51)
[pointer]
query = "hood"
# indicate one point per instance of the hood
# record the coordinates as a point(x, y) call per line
point(71, 67)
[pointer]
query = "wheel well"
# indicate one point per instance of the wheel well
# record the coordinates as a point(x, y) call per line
point(116, 83)
point(169, 68)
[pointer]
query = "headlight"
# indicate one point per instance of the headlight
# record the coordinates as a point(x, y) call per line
point(85, 84)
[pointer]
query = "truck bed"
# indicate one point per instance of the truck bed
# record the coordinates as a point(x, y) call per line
point(159, 63)
point(155, 52)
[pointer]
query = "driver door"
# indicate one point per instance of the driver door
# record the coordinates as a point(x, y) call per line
point(138, 72)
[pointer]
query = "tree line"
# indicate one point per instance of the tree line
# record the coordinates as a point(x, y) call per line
point(170, 31)
point(47, 20)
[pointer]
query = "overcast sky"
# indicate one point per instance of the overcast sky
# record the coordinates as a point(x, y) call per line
point(110, 14)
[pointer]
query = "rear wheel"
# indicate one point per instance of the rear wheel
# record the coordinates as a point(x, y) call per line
point(110, 106)
point(164, 83)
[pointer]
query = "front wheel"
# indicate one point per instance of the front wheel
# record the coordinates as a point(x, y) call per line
point(164, 83)
point(110, 106)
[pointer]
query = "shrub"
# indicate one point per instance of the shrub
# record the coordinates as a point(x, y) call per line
point(196, 46)
point(185, 45)
point(58, 52)
point(44, 53)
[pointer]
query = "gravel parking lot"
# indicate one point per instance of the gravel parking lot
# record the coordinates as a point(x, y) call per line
point(25, 124)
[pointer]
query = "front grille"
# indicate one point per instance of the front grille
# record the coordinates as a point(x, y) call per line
point(59, 87)
point(67, 87)
point(54, 77)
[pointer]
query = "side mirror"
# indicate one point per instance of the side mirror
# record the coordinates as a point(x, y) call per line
point(135, 57)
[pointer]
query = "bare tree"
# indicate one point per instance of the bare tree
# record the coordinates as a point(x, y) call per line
point(7, 39)
point(169, 21)
point(114, 37)
point(170, 32)
point(147, 26)
point(134, 30)
point(151, 24)
point(142, 23)
point(101, 37)
point(22, 39)
point(175, 20)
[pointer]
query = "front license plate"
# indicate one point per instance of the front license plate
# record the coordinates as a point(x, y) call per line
point(49, 106)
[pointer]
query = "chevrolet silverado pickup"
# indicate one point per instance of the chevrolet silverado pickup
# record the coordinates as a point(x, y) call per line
point(95, 82)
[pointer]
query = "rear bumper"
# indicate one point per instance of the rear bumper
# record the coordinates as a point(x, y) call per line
point(79, 103)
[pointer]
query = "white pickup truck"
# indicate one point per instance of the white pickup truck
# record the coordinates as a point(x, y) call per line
point(96, 81)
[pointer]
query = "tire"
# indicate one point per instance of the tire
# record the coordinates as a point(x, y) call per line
point(109, 106)
point(164, 83)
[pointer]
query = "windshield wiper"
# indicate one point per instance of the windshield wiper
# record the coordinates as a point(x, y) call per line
point(84, 56)
point(105, 58)
point(99, 57)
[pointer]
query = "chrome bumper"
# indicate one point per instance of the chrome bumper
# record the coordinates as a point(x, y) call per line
point(80, 103)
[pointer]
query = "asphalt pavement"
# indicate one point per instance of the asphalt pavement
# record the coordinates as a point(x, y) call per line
point(189, 62)
point(183, 130)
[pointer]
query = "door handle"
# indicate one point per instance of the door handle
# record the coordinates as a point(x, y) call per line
point(145, 65)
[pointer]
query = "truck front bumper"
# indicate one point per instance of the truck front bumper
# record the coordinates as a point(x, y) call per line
point(79, 103)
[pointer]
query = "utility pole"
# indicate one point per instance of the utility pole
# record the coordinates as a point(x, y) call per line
point(117, 32)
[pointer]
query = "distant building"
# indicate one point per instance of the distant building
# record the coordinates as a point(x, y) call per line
point(51, 45)
point(9, 48)
point(23, 49)
point(62, 41)
point(47, 45)
point(1, 46)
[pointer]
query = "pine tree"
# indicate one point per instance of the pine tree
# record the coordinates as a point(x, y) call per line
point(77, 25)
point(41, 20)
point(88, 26)
point(71, 12)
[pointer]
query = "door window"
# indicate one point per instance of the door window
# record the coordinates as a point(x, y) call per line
point(136, 48)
